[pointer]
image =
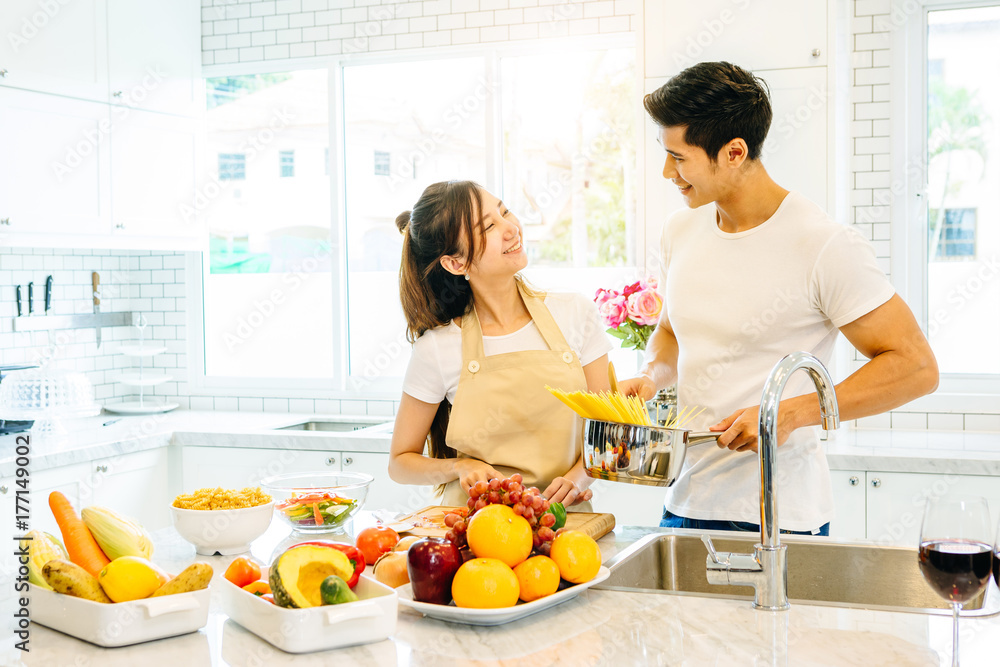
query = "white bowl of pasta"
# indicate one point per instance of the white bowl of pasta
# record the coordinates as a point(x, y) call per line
point(220, 521)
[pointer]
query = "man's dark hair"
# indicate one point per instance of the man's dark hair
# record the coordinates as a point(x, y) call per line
point(717, 102)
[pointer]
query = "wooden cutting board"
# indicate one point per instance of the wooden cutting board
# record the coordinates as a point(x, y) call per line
point(430, 522)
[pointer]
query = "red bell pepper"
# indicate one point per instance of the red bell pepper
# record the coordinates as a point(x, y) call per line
point(352, 553)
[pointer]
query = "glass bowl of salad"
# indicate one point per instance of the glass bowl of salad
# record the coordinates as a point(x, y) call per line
point(317, 502)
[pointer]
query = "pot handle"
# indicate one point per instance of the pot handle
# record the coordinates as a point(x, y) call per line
point(702, 437)
point(337, 613)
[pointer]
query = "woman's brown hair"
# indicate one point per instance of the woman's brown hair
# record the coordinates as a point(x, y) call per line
point(432, 296)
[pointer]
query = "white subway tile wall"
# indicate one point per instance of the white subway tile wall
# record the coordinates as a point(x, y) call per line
point(265, 30)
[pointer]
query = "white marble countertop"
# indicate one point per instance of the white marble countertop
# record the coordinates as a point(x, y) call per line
point(949, 452)
point(597, 628)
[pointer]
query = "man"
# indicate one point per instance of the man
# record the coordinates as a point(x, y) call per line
point(752, 272)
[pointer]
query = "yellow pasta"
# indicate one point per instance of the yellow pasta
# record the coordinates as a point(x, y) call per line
point(617, 407)
point(222, 499)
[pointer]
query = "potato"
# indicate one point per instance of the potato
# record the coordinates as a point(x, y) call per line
point(71, 579)
point(195, 577)
point(406, 542)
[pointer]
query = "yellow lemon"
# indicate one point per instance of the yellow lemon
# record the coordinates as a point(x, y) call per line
point(130, 578)
point(577, 555)
point(537, 577)
point(496, 532)
point(485, 583)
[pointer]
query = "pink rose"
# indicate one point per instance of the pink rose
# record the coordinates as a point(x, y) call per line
point(613, 311)
point(604, 295)
point(632, 289)
point(650, 283)
point(644, 307)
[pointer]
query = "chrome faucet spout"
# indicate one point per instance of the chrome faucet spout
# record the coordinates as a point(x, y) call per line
point(767, 443)
point(766, 569)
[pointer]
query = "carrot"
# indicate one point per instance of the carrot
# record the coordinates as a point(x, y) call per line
point(80, 544)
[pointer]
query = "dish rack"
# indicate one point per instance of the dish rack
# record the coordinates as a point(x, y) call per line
point(141, 378)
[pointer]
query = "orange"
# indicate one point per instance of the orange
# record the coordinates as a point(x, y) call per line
point(538, 577)
point(485, 583)
point(577, 555)
point(496, 532)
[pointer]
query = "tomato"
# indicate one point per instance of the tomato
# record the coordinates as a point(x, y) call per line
point(353, 553)
point(258, 588)
point(375, 541)
point(243, 571)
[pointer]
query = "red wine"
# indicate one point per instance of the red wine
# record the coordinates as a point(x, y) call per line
point(956, 569)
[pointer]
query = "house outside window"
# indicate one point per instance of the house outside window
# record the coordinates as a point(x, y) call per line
point(382, 163)
point(232, 166)
point(286, 161)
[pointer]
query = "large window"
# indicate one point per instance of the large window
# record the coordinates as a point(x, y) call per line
point(268, 285)
point(963, 199)
point(560, 150)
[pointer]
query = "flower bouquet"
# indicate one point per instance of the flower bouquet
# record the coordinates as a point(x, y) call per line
point(631, 314)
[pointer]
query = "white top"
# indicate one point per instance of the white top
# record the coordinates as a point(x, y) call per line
point(436, 363)
point(738, 303)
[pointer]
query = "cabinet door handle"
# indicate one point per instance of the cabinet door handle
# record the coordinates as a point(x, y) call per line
point(5, 221)
point(3, 490)
point(102, 468)
point(3, 74)
point(118, 94)
point(876, 483)
point(854, 480)
point(348, 461)
point(332, 461)
point(816, 53)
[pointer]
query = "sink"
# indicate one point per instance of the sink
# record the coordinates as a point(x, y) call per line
point(339, 426)
point(820, 572)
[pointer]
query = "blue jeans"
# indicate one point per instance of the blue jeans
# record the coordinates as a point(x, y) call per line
point(670, 520)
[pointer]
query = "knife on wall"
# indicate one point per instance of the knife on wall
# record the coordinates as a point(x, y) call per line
point(48, 294)
point(95, 281)
point(17, 294)
point(31, 298)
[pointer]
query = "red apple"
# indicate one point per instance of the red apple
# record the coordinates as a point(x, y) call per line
point(432, 563)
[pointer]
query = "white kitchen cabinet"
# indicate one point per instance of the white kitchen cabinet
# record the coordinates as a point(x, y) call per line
point(758, 35)
point(55, 47)
point(55, 172)
point(231, 467)
point(155, 172)
point(632, 504)
point(849, 502)
point(896, 501)
point(134, 485)
point(67, 479)
point(154, 55)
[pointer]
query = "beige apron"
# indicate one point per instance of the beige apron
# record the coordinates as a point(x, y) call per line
point(503, 414)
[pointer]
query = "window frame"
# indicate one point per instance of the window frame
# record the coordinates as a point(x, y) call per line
point(342, 386)
point(957, 392)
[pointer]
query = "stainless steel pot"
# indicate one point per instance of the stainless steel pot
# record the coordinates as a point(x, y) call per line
point(649, 455)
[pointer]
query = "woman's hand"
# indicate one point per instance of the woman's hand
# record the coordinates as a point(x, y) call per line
point(471, 471)
point(641, 386)
point(565, 491)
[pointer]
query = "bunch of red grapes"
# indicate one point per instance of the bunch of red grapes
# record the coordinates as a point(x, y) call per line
point(526, 502)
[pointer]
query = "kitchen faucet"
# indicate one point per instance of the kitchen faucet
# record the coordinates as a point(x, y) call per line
point(766, 569)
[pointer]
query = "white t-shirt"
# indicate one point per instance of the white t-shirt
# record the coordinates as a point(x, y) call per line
point(738, 303)
point(436, 363)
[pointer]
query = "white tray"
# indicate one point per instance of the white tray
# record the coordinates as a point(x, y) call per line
point(370, 619)
point(122, 623)
point(147, 407)
point(455, 614)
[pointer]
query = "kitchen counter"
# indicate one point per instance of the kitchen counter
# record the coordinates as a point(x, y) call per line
point(935, 452)
point(597, 628)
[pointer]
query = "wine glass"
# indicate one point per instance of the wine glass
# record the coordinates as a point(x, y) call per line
point(955, 551)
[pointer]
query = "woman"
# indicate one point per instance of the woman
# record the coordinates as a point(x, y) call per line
point(484, 347)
